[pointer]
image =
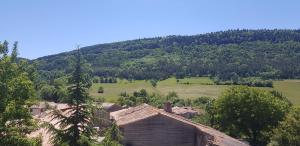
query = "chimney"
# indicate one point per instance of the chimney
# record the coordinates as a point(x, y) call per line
point(168, 107)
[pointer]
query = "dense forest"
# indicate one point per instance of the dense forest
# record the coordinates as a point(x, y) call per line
point(224, 55)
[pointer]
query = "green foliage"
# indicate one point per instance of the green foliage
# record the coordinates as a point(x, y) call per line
point(47, 92)
point(207, 116)
point(156, 100)
point(96, 79)
point(250, 112)
point(16, 94)
point(113, 136)
point(230, 55)
point(249, 81)
point(76, 128)
point(108, 80)
point(288, 131)
point(153, 83)
point(201, 101)
point(56, 92)
point(202, 119)
point(20, 141)
point(14, 53)
point(100, 89)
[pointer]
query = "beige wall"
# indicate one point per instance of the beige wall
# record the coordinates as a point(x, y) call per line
point(36, 111)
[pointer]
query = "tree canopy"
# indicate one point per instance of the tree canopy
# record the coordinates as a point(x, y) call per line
point(16, 95)
point(249, 113)
point(227, 55)
point(75, 122)
point(288, 131)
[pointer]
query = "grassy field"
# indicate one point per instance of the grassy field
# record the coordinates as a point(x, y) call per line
point(186, 88)
point(289, 88)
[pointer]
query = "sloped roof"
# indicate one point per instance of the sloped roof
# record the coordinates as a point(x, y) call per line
point(134, 114)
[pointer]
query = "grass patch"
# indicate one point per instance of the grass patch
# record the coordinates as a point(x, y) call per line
point(290, 89)
point(197, 87)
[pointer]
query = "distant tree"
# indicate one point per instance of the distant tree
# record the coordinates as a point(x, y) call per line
point(102, 80)
point(100, 89)
point(105, 80)
point(249, 111)
point(288, 131)
point(96, 80)
point(56, 92)
point(47, 92)
point(234, 78)
point(14, 52)
point(143, 93)
point(124, 94)
point(76, 128)
point(114, 80)
point(153, 83)
point(110, 80)
point(4, 48)
point(171, 96)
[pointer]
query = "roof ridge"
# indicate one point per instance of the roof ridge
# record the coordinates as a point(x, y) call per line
point(138, 108)
point(197, 125)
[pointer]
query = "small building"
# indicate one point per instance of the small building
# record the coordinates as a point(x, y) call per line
point(145, 125)
point(102, 114)
point(187, 112)
point(38, 109)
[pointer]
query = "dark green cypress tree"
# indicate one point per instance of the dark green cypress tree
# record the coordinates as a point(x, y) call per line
point(75, 126)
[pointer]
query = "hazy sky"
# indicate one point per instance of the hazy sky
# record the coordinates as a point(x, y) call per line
point(45, 27)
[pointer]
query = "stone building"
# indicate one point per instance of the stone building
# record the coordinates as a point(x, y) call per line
point(145, 125)
point(38, 109)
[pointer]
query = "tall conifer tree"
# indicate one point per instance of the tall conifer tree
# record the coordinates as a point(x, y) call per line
point(75, 126)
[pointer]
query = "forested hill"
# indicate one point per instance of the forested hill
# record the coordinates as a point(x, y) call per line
point(224, 54)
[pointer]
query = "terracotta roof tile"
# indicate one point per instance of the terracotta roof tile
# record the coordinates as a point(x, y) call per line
point(134, 114)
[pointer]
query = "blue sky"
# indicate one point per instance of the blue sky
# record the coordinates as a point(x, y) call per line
point(45, 27)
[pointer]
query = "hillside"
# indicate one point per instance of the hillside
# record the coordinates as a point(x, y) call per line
point(226, 54)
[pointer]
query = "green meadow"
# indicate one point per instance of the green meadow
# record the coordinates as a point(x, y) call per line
point(186, 88)
point(290, 89)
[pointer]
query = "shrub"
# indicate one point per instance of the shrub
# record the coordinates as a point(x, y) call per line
point(100, 89)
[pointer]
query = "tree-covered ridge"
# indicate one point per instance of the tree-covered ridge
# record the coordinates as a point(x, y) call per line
point(225, 55)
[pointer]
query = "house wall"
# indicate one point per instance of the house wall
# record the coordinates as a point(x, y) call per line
point(159, 131)
point(36, 111)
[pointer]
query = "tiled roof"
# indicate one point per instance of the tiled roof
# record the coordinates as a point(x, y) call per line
point(134, 114)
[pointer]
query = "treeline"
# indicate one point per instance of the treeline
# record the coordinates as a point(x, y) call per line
point(249, 81)
point(268, 54)
point(104, 80)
